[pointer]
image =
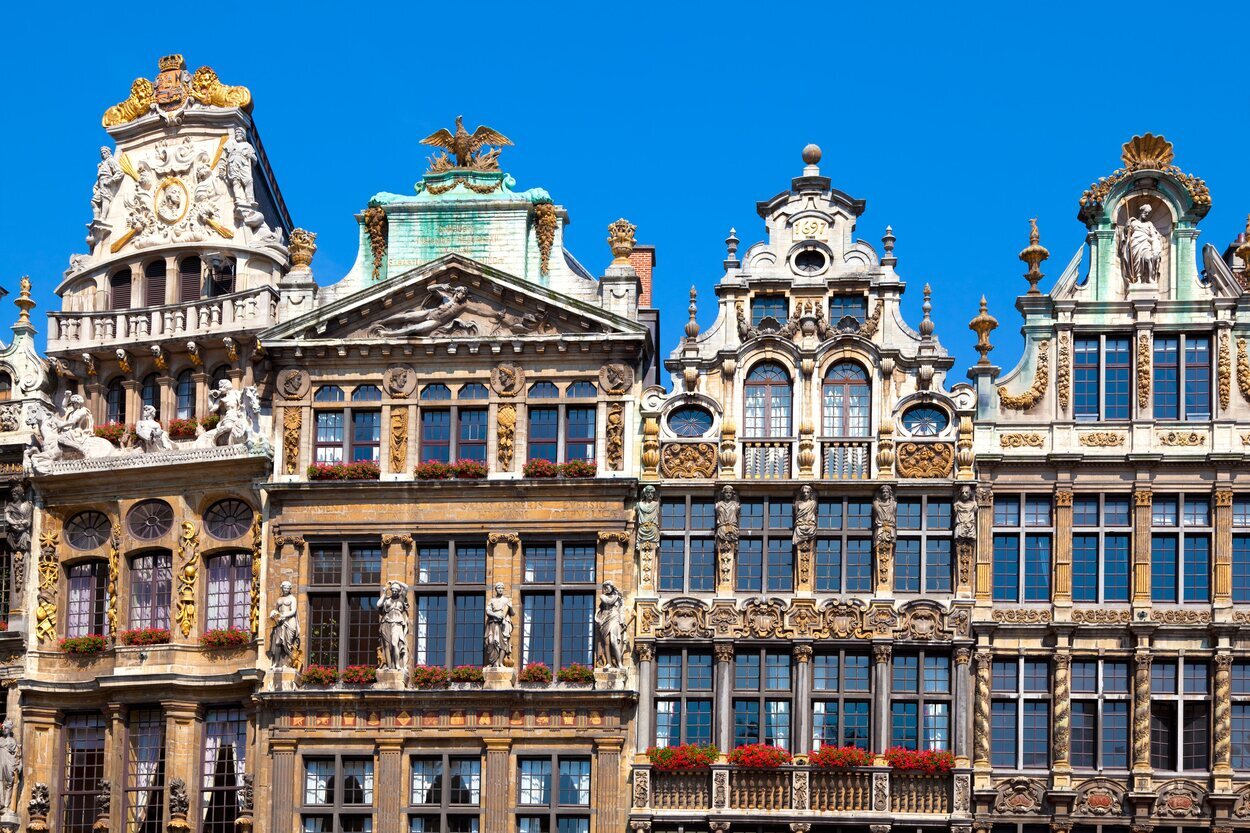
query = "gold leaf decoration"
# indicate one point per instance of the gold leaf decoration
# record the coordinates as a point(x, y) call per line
point(1149, 151)
point(139, 102)
point(685, 461)
point(399, 437)
point(1181, 438)
point(925, 459)
point(1143, 371)
point(188, 550)
point(1102, 439)
point(506, 432)
point(1021, 440)
point(545, 222)
point(1064, 380)
point(1243, 370)
point(292, 423)
point(614, 435)
point(1224, 372)
point(1041, 377)
point(207, 88)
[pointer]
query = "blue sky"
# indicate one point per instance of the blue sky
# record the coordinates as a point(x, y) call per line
point(956, 123)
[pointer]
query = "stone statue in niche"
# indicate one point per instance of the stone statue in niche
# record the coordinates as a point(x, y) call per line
point(610, 621)
point(393, 608)
point(1140, 246)
point(498, 641)
point(284, 636)
point(438, 315)
point(108, 180)
point(10, 765)
point(150, 433)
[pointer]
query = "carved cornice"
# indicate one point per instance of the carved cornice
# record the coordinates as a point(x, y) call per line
point(1017, 440)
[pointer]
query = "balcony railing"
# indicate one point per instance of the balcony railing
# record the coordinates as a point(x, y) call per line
point(252, 309)
point(797, 790)
point(846, 459)
point(766, 459)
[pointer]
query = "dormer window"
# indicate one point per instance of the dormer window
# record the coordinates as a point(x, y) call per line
point(766, 307)
point(848, 306)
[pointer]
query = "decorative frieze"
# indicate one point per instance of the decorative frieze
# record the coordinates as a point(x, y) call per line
point(762, 618)
point(1020, 440)
point(1021, 616)
point(1101, 439)
point(1184, 439)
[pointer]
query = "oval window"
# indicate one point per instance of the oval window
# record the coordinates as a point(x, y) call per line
point(150, 519)
point(227, 519)
point(87, 530)
point(925, 421)
point(690, 421)
point(810, 261)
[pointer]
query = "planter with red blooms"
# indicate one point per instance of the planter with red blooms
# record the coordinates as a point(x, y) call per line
point(540, 468)
point(921, 762)
point(470, 469)
point(688, 757)
point(576, 674)
point(222, 639)
point(759, 756)
point(182, 429)
point(144, 636)
point(467, 676)
point(344, 471)
point(84, 646)
point(578, 468)
point(840, 757)
point(318, 675)
point(359, 675)
point(434, 470)
point(429, 676)
point(534, 675)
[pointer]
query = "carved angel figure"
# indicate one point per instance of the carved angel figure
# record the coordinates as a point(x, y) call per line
point(437, 316)
point(237, 408)
point(1141, 248)
point(108, 179)
point(152, 436)
point(393, 608)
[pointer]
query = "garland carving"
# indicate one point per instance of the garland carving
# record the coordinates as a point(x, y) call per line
point(376, 226)
point(1243, 370)
point(1041, 377)
point(1224, 372)
point(1064, 380)
point(545, 222)
point(1143, 371)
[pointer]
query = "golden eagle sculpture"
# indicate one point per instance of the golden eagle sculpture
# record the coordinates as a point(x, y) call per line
point(468, 148)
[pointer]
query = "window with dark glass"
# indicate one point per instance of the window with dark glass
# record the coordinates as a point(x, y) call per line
point(1101, 541)
point(1101, 704)
point(922, 553)
point(920, 700)
point(229, 591)
point(6, 386)
point(151, 580)
point(145, 771)
point(843, 556)
point(1180, 732)
point(925, 421)
point(845, 407)
point(450, 603)
point(557, 603)
point(221, 277)
point(1101, 370)
point(1182, 377)
point(184, 396)
point(445, 794)
point(762, 697)
point(1022, 545)
point(337, 795)
point(767, 401)
point(352, 434)
point(119, 289)
point(82, 767)
point(150, 394)
point(553, 794)
point(190, 275)
point(765, 559)
point(683, 704)
point(1180, 548)
point(847, 306)
point(88, 599)
point(342, 604)
point(154, 283)
point(841, 682)
point(1020, 713)
point(1239, 741)
point(769, 306)
point(223, 762)
point(1241, 549)
point(115, 402)
point(687, 556)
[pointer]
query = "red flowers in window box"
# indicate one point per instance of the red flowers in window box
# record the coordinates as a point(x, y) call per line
point(144, 636)
point(182, 429)
point(535, 672)
point(430, 676)
point(344, 471)
point(84, 645)
point(467, 674)
point(434, 470)
point(322, 675)
point(683, 758)
point(578, 468)
point(924, 761)
point(539, 467)
point(210, 422)
point(840, 757)
point(470, 469)
point(576, 674)
point(360, 675)
point(759, 756)
point(219, 638)
point(114, 432)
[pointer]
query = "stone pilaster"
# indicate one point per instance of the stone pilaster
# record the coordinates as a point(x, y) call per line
point(962, 708)
point(389, 786)
point(1062, 723)
point(611, 559)
point(801, 738)
point(985, 546)
point(1062, 586)
point(282, 786)
point(182, 749)
point(133, 404)
point(1141, 713)
point(1143, 503)
point(881, 653)
point(644, 727)
point(495, 798)
point(1222, 580)
point(721, 710)
point(115, 753)
point(39, 732)
point(609, 806)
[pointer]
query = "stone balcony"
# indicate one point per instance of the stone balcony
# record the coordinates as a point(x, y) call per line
point(249, 310)
point(869, 792)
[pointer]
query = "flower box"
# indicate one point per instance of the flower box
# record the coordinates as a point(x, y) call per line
point(576, 674)
point(318, 675)
point(430, 676)
point(840, 757)
point(360, 675)
point(683, 758)
point(434, 470)
point(924, 761)
point(344, 471)
point(144, 636)
point(578, 468)
point(115, 432)
point(540, 468)
point(759, 756)
point(535, 672)
point(84, 645)
point(470, 469)
point(182, 429)
point(210, 422)
point(467, 675)
point(219, 638)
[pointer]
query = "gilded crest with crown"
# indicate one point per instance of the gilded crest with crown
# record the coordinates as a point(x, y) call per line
point(172, 89)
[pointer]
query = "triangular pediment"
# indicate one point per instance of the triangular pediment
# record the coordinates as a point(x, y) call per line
point(449, 299)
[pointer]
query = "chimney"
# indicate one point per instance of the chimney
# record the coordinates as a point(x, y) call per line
point(642, 258)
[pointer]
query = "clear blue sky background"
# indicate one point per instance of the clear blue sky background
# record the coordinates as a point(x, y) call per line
point(955, 123)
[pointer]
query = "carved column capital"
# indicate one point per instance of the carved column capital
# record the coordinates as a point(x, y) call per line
point(404, 540)
point(802, 653)
point(882, 652)
point(1063, 498)
point(962, 656)
point(619, 537)
point(724, 651)
point(644, 651)
point(512, 539)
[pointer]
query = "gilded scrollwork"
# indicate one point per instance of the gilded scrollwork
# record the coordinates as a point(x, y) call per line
point(292, 425)
point(188, 554)
point(375, 223)
point(1018, 440)
point(505, 434)
point(925, 459)
point(1224, 371)
point(1183, 439)
point(115, 569)
point(257, 551)
point(1063, 380)
point(685, 461)
point(399, 437)
point(1243, 370)
point(1102, 439)
point(545, 223)
point(1041, 378)
point(614, 435)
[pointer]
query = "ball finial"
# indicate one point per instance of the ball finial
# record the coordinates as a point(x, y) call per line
point(811, 154)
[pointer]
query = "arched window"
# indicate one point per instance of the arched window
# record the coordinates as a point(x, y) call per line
point(328, 393)
point(151, 579)
point(115, 402)
point(6, 386)
point(150, 393)
point(185, 395)
point(154, 283)
point(222, 372)
point(846, 405)
point(767, 406)
point(581, 390)
point(925, 421)
point(229, 591)
point(690, 421)
point(367, 393)
point(190, 274)
point(434, 392)
point(473, 391)
point(544, 390)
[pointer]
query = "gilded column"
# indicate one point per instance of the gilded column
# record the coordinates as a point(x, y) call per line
point(1143, 501)
point(985, 545)
point(801, 742)
point(881, 653)
point(963, 705)
point(1063, 548)
point(1223, 717)
point(1141, 713)
point(724, 653)
point(1062, 725)
point(389, 787)
point(282, 752)
point(644, 653)
point(1222, 583)
point(981, 722)
point(495, 799)
point(609, 812)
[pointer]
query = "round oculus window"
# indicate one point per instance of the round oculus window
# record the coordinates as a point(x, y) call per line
point(150, 519)
point(87, 530)
point(227, 519)
point(925, 421)
point(810, 261)
point(690, 421)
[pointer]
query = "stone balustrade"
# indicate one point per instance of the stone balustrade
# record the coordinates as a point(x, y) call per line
point(846, 459)
point(251, 309)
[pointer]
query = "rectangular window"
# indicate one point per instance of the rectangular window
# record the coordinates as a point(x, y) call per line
point(1100, 709)
point(1101, 366)
point(329, 439)
point(684, 707)
point(768, 306)
point(557, 604)
point(1179, 715)
point(435, 435)
point(82, 758)
point(843, 554)
point(761, 698)
point(1020, 714)
point(844, 305)
point(579, 435)
point(88, 599)
point(1180, 560)
point(544, 807)
point(223, 762)
point(229, 591)
point(145, 770)
point(151, 577)
point(445, 794)
point(366, 436)
point(1182, 377)
point(544, 433)
point(343, 620)
point(471, 436)
point(339, 791)
point(1021, 558)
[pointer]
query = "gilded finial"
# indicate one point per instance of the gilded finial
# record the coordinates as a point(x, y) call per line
point(926, 323)
point(24, 302)
point(1033, 255)
point(692, 326)
point(303, 245)
point(621, 241)
point(983, 325)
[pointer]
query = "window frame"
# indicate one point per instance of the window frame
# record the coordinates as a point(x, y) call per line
point(555, 810)
point(1020, 698)
point(687, 534)
point(1102, 380)
point(923, 698)
point(348, 632)
point(1024, 533)
point(238, 594)
point(234, 717)
point(1101, 531)
point(683, 695)
point(445, 810)
point(99, 601)
point(1181, 533)
point(844, 534)
point(841, 696)
point(838, 398)
point(558, 588)
point(452, 590)
point(925, 534)
point(347, 410)
point(776, 547)
point(770, 402)
point(1182, 703)
point(337, 809)
point(78, 794)
point(1099, 700)
point(152, 717)
point(1183, 367)
point(762, 695)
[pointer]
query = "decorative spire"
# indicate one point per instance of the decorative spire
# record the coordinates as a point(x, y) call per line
point(926, 323)
point(1243, 252)
point(1033, 255)
point(24, 304)
point(621, 241)
point(692, 326)
point(983, 325)
point(887, 243)
point(731, 249)
point(811, 159)
point(302, 246)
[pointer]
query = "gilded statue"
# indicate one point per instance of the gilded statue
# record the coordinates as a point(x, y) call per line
point(467, 147)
